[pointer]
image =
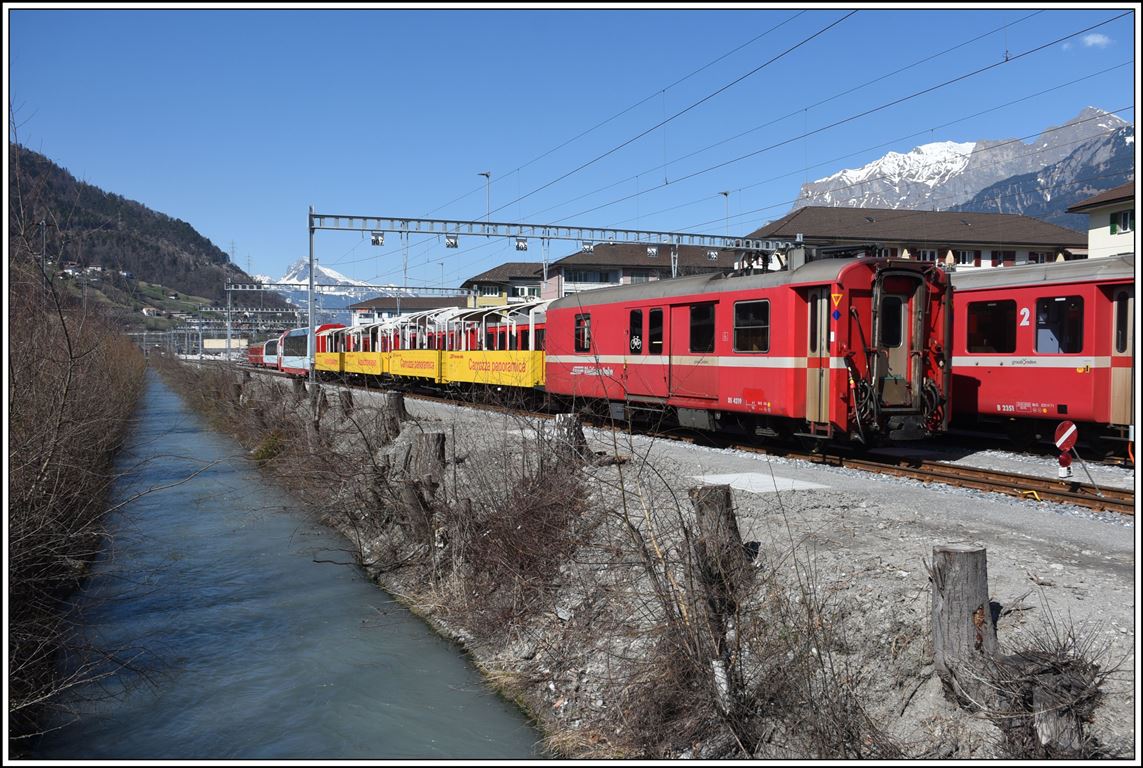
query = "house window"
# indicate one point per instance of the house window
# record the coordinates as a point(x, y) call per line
point(1039, 257)
point(583, 333)
point(886, 253)
point(966, 258)
point(1123, 221)
point(1059, 325)
point(527, 291)
point(639, 275)
point(488, 290)
point(927, 254)
point(1003, 258)
point(655, 332)
point(590, 276)
point(992, 326)
point(702, 327)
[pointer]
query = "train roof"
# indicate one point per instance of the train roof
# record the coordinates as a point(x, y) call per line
point(820, 271)
point(1079, 271)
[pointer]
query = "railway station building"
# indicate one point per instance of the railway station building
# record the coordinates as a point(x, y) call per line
point(958, 239)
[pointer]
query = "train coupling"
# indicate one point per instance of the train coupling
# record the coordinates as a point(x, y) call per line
point(907, 428)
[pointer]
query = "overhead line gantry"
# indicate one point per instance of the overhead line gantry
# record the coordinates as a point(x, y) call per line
point(452, 229)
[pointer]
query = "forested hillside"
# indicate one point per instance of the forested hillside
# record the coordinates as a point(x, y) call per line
point(91, 227)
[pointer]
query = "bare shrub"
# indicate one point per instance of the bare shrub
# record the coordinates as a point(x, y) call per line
point(74, 383)
point(1047, 692)
point(523, 522)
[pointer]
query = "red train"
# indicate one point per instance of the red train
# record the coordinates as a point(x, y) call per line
point(852, 349)
point(846, 349)
point(1043, 343)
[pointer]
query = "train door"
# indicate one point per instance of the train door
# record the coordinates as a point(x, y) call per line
point(693, 364)
point(899, 320)
point(817, 356)
point(1122, 349)
point(645, 369)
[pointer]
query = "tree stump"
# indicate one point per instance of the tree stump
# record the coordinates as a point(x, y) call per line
point(964, 636)
point(428, 455)
point(1045, 700)
point(721, 570)
point(390, 416)
point(394, 403)
point(570, 441)
point(345, 401)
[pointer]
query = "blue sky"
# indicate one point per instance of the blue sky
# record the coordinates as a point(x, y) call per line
point(236, 121)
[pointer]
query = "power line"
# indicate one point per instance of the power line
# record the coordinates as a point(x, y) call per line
point(851, 118)
point(681, 112)
point(800, 110)
point(622, 112)
point(909, 136)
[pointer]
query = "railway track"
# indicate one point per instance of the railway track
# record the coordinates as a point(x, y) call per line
point(927, 471)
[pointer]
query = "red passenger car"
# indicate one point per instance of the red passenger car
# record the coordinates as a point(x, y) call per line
point(1044, 343)
point(835, 349)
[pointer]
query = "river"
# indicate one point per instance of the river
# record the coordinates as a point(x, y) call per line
point(241, 643)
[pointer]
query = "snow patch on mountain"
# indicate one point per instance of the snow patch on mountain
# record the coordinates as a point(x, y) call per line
point(299, 274)
point(930, 164)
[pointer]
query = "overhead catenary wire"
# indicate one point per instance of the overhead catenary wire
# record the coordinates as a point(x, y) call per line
point(850, 118)
point(904, 98)
point(681, 112)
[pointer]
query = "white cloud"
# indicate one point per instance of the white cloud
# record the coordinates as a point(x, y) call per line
point(1096, 40)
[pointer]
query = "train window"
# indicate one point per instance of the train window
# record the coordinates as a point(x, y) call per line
point(583, 333)
point(891, 325)
point(539, 339)
point(295, 346)
point(522, 336)
point(752, 326)
point(1059, 325)
point(655, 332)
point(1122, 321)
point(635, 333)
point(814, 311)
point(702, 327)
point(992, 326)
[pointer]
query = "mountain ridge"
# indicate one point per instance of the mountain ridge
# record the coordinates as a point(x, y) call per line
point(947, 175)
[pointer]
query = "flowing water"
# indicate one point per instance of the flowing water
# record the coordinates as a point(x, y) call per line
point(249, 632)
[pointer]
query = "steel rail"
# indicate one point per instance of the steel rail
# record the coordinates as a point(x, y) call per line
point(1009, 483)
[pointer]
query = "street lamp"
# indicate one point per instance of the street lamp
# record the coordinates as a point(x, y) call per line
point(487, 194)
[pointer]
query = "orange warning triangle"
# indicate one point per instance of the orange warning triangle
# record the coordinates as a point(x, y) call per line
point(836, 298)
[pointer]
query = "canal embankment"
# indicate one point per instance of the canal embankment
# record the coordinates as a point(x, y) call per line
point(578, 578)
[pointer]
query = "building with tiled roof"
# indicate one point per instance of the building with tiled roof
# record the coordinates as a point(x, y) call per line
point(1110, 221)
point(510, 282)
point(382, 307)
point(610, 264)
point(964, 239)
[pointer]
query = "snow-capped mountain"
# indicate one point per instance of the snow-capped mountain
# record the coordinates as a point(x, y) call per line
point(944, 174)
point(1046, 194)
point(299, 274)
point(337, 292)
